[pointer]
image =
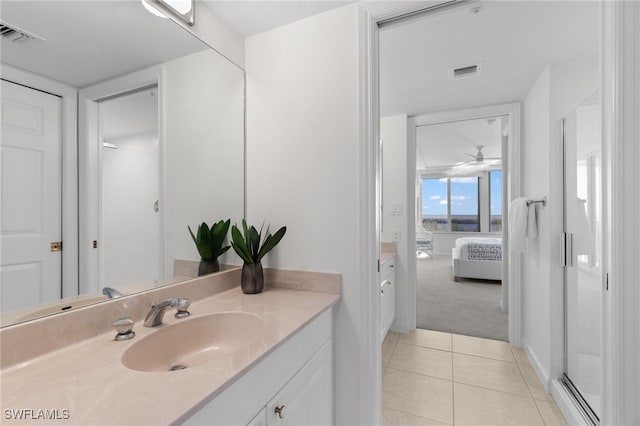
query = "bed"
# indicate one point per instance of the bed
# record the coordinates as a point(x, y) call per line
point(477, 257)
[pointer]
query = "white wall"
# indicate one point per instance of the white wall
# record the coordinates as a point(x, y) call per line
point(130, 186)
point(302, 165)
point(393, 131)
point(203, 149)
point(217, 33)
point(535, 184)
point(559, 88)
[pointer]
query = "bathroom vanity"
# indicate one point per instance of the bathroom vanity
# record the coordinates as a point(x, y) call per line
point(267, 358)
point(387, 288)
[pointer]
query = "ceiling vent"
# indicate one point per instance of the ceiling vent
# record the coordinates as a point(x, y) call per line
point(16, 35)
point(465, 71)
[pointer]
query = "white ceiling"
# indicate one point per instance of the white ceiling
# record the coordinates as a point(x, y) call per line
point(90, 41)
point(130, 115)
point(253, 17)
point(448, 144)
point(513, 40)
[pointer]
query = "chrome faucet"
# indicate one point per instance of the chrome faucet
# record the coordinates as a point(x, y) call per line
point(112, 293)
point(154, 317)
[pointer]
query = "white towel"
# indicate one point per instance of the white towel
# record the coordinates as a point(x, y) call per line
point(518, 224)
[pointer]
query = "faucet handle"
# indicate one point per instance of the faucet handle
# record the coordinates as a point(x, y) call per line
point(124, 327)
point(182, 307)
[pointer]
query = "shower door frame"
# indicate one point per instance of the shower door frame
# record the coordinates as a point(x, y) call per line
point(567, 253)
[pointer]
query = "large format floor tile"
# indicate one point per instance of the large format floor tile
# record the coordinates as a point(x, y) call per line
point(428, 339)
point(434, 378)
point(387, 348)
point(478, 406)
point(419, 395)
point(489, 373)
point(494, 349)
point(426, 361)
point(392, 417)
point(550, 413)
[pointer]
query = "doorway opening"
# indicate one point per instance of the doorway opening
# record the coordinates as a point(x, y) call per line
point(130, 221)
point(459, 194)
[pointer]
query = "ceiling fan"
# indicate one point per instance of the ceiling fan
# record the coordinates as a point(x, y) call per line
point(478, 163)
point(479, 157)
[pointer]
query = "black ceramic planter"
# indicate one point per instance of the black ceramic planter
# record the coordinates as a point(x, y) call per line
point(208, 266)
point(252, 278)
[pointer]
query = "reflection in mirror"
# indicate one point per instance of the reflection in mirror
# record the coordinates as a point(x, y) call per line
point(131, 249)
point(120, 128)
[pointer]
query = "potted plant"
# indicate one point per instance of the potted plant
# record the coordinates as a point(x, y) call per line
point(209, 242)
point(251, 248)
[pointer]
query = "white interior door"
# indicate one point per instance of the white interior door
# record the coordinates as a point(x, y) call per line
point(31, 272)
point(583, 279)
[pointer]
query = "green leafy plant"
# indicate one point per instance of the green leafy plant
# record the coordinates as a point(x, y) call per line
point(249, 244)
point(210, 241)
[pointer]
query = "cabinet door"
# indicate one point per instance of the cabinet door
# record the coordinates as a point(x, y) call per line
point(387, 305)
point(307, 399)
point(384, 307)
point(260, 419)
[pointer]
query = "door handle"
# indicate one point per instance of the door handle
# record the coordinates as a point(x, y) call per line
point(566, 249)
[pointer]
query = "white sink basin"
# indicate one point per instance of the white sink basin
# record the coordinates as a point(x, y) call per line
point(226, 338)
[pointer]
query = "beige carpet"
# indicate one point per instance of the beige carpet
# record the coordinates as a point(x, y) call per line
point(468, 307)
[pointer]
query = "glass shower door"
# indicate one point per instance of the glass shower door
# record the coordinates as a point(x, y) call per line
point(583, 256)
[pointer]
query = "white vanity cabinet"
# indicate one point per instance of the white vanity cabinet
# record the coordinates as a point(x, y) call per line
point(296, 379)
point(260, 419)
point(306, 399)
point(387, 296)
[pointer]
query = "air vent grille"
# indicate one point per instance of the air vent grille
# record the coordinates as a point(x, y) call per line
point(465, 71)
point(16, 35)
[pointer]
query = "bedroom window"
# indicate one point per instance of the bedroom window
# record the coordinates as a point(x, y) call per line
point(463, 199)
point(450, 204)
point(495, 200)
point(435, 216)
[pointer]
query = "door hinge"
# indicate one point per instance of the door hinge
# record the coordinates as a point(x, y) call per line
point(606, 281)
point(56, 246)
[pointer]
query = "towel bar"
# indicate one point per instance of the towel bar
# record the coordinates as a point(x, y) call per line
point(543, 201)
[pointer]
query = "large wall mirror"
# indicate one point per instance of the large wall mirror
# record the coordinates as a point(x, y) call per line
point(119, 129)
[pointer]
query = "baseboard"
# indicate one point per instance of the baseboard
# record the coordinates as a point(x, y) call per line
point(541, 372)
point(567, 404)
point(558, 391)
point(400, 327)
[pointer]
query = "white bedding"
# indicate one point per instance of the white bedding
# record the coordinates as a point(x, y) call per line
point(477, 257)
point(476, 248)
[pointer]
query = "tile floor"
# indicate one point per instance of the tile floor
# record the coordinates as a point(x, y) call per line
point(434, 378)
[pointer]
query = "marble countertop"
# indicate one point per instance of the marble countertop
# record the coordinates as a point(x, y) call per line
point(385, 256)
point(86, 383)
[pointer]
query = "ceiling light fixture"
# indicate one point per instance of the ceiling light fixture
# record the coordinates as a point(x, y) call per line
point(181, 9)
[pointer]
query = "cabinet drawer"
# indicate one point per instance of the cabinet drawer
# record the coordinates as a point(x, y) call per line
point(387, 268)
